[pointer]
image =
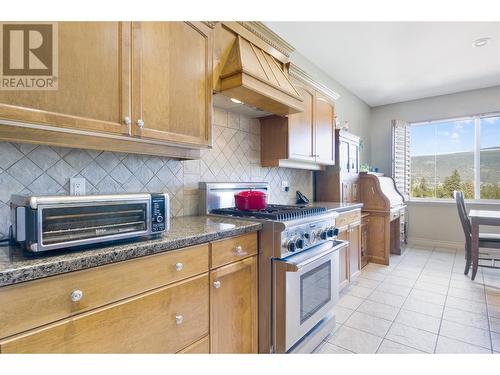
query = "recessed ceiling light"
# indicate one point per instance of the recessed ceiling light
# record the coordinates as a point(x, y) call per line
point(481, 42)
point(236, 101)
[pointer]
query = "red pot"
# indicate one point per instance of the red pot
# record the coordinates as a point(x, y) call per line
point(250, 200)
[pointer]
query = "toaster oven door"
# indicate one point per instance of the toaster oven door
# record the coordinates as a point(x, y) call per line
point(68, 225)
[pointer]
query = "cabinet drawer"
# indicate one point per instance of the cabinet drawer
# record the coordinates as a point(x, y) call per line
point(199, 347)
point(347, 218)
point(233, 249)
point(32, 304)
point(162, 321)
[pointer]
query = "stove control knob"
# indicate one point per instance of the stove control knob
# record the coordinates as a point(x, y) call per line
point(299, 243)
point(307, 235)
point(323, 235)
point(290, 245)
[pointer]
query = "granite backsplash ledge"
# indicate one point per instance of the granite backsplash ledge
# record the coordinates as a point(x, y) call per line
point(235, 157)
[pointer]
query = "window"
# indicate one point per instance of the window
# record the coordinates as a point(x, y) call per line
point(456, 154)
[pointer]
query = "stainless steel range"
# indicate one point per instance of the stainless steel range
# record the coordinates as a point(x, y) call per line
point(298, 267)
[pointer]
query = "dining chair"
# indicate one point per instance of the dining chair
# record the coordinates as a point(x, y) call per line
point(486, 240)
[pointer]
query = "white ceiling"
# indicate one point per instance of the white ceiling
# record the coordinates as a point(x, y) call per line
point(390, 62)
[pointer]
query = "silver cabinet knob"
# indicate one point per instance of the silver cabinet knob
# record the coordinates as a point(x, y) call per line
point(179, 266)
point(140, 123)
point(179, 319)
point(239, 251)
point(127, 121)
point(217, 284)
point(76, 295)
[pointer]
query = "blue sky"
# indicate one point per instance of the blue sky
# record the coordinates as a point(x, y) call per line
point(453, 136)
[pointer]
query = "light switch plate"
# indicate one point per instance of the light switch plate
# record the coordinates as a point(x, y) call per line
point(77, 186)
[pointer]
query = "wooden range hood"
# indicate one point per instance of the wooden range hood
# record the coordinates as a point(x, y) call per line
point(256, 78)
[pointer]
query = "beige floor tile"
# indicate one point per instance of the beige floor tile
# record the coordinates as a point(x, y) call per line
point(377, 276)
point(418, 320)
point(495, 339)
point(378, 310)
point(423, 295)
point(494, 311)
point(398, 290)
point(358, 291)
point(436, 275)
point(391, 347)
point(342, 313)
point(495, 325)
point(446, 345)
point(368, 323)
point(399, 280)
point(493, 297)
point(431, 287)
point(466, 318)
point(476, 295)
point(466, 305)
point(373, 267)
point(413, 337)
point(355, 340)
point(365, 283)
point(327, 348)
point(388, 299)
point(423, 307)
point(434, 280)
point(471, 335)
point(350, 302)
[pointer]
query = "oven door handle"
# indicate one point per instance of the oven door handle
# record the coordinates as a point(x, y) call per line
point(296, 262)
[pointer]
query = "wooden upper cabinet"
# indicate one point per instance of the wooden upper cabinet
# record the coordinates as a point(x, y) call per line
point(300, 127)
point(323, 131)
point(93, 82)
point(172, 82)
point(234, 308)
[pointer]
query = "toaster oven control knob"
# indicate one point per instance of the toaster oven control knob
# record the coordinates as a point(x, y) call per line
point(76, 295)
point(323, 235)
point(299, 243)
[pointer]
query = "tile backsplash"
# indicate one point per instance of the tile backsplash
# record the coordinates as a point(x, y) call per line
point(235, 156)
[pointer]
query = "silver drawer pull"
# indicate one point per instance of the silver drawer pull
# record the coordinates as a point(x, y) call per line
point(140, 123)
point(217, 284)
point(239, 251)
point(179, 319)
point(179, 266)
point(127, 121)
point(76, 295)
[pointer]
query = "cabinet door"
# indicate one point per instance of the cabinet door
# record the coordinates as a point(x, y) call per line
point(354, 248)
point(93, 82)
point(344, 156)
point(364, 242)
point(343, 259)
point(346, 192)
point(354, 158)
point(172, 82)
point(300, 127)
point(323, 131)
point(233, 308)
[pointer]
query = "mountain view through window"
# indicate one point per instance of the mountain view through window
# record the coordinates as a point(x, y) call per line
point(443, 158)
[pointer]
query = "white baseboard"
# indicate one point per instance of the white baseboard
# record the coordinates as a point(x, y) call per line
point(429, 242)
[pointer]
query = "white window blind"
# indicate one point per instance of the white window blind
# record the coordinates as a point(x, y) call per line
point(401, 156)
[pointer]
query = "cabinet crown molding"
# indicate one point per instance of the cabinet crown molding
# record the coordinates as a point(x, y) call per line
point(299, 73)
point(269, 36)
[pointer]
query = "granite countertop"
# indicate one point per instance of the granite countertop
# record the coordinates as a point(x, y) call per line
point(17, 266)
point(337, 206)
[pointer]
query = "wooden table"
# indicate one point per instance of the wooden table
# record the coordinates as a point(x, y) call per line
point(477, 218)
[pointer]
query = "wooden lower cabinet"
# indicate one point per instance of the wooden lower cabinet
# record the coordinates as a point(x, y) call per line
point(349, 225)
point(364, 239)
point(199, 347)
point(234, 308)
point(344, 260)
point(162, 321)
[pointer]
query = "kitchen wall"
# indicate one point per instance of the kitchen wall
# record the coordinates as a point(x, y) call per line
point(235, 156)
point(430, 221)
point(348, 107)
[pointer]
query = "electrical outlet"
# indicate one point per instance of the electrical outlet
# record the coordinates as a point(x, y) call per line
point(77, 186)
point(285, 186)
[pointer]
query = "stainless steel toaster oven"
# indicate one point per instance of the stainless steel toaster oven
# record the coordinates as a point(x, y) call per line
point(54, 222)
